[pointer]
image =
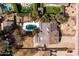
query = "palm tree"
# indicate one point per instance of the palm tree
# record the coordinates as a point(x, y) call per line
point(52, 17)
point(21, 15)
point(36, 31)
point(34, 15)
point(45, 18)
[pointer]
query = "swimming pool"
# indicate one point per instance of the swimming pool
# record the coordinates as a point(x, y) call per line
point(7, 7)
point(30, 26)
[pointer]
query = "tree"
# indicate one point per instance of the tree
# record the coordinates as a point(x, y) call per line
point(61, 18)
point(36, 31)
point(34, 16)
point(21, 15)
point(52, 17)
point(23, 9)
point(47, 18)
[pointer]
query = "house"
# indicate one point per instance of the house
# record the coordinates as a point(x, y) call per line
point(48, 35)
point(1, 19)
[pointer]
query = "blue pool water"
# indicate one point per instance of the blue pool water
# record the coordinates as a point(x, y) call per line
point(31, 27)
point(7, 7)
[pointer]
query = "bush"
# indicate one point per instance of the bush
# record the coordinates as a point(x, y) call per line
point(23, 9)
point(61, 18)
point(27, 10)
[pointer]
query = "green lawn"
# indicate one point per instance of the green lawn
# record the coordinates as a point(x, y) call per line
point(53, 9)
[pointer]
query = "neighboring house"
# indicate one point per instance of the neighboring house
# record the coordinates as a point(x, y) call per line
point(1, 24)
point(1, 19)
point(49, 34)
point(5, 24)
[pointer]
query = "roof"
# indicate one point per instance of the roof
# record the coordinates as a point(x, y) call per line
point(49, 34)
point(7, 23)
point(52, 36)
